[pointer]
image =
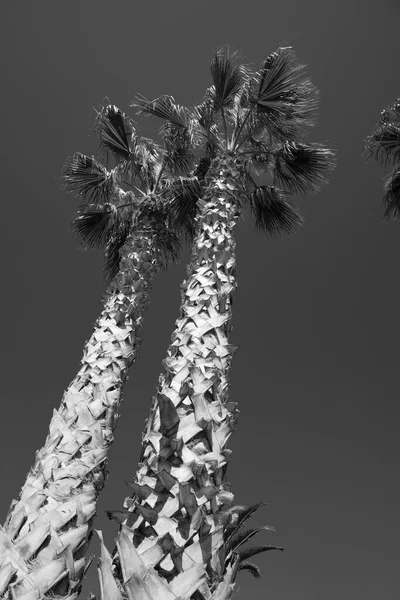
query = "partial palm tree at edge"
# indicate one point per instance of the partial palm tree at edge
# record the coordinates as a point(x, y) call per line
point(44, 541)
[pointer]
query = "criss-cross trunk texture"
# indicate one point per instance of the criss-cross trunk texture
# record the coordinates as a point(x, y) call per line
point(46, 535)
point(172, 527)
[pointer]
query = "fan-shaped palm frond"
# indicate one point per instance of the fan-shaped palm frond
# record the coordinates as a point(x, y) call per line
point(283, 98)
point(228, 77)
point(384, 143)
point(273, 213)
point(88, 178)
point(391, 195)
point(95, 224)
point(302, 168)
point(163, 107)
point(115, 131)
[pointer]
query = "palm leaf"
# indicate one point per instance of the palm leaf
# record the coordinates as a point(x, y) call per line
point(391, 114)
point(182, 196)
point(114, 130)
point(253, 569)
point(247, 553)
point(282, 96)
point(87, 178)
point(302, 168)
point(384, 143)
point(241, 514)
point(273, 213)
point(145, 162)
point(163, 107)
point(112, 256)
point(242, 537)
point(228, 77)
point(94, 225)
point(391, 195)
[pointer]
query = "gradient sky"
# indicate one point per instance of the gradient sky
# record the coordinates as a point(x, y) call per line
point(316, 314)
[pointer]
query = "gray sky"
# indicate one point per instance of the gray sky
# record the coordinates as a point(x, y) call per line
point(315, 314)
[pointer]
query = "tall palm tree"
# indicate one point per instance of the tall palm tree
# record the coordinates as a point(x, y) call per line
point(47, 531)
point(384, 145)
point(172, 541)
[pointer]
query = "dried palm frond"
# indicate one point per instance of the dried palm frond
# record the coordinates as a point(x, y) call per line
point(94, 225)
point(384, 143)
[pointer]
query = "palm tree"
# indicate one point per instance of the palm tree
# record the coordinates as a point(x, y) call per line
point(172, 540)
point(47, 531)
point(384, 145)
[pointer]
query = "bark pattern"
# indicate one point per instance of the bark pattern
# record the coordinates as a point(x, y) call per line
point(46, 535)
point(172, 527)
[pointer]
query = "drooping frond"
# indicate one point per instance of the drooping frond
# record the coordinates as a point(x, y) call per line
point(242, 537)
point(273, 213)
point(94, 225)
point(182, 196)
point(163, 107)
point(246, 553)
point(87, 178)
point(391, 195)
point(115, 130)
point(253, 569)
point(302, 168)
point(384, 143)
point(283, 98)
point(112, 255)
point(228, 77)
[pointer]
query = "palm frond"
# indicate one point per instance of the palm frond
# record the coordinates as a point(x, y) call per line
point(178, 157)
point(241, 514)
point(273, 213)
point(115, 130)
point(391, 114)
point(182, 197)
point(247, 553)
point(284, 99)
point(384, 143)
point(87, 178)
point(391, 195)
point(228, 77)
point(94, 225)
point(112, 255)
point(208, 136)
point(163, 107)
point(242, 537)
point(253, 569)
point(302, 168)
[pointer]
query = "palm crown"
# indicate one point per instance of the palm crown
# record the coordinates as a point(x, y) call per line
point(384, 145)
point(258, 115)
point(115, 201)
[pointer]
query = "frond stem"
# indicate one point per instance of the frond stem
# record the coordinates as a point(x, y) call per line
point(236, 135)
point(225, 128)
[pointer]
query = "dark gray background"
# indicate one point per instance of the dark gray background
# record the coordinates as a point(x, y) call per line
point(316, 314)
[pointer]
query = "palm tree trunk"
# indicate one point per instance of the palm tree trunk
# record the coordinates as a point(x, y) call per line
point(172, 527)
point(47, 531)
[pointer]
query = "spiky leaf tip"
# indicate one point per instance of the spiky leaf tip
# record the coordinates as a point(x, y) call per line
point(89, 179)
point(253, 569)
point(246, 553)
point(273, 213)
point(115, 131)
